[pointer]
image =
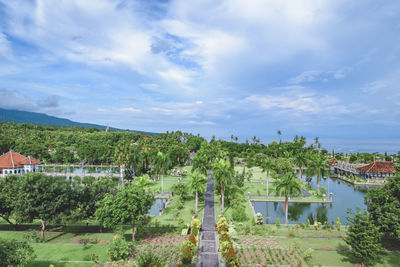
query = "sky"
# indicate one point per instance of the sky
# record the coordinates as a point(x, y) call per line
point(327, 68)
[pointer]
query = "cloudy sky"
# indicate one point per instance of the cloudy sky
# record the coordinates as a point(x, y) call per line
point(327, 68)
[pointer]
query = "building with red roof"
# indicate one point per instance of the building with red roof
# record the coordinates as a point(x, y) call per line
point(15, 163)
point(377, 169)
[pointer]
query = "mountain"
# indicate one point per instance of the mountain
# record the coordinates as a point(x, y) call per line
point(18, 116)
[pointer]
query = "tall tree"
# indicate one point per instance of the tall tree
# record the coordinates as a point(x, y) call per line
point(279, 135)
point(300, 161)
point(44, 198)
point(318, 166)
point(222, 173)
point(197, 185)
point(128, 206)
point(384, 207)
point(365, 239)
point(162, 164)
point(121, 158)
point(267, 165)
point(287, 185)
point(8, 190)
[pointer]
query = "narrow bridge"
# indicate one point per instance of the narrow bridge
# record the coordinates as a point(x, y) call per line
point(342, 167)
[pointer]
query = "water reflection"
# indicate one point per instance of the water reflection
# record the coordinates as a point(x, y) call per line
point(157, 207)
point(345, 196)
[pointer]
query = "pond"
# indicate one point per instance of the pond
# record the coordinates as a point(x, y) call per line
point(158, 206)
point(345, 196)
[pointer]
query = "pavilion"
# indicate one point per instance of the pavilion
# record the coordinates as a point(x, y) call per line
point(15, 163)
point(377, 170)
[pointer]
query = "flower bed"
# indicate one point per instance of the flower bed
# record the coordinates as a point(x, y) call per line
point(264, 256)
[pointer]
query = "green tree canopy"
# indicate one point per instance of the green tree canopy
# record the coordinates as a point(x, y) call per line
point(42, 197)
point(222, 173)
point(128, 206)
point(287, 185)
point(15, 253)
point(365, 239)
point(197, 184)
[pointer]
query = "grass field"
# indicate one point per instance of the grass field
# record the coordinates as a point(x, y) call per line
point(176, 213)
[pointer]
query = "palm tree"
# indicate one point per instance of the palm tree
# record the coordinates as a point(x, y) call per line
point(197, 185)
point(300, 161)
point(267, 165)
point(318, 166)
point(200, 163)
point(279, 134)
point(222, 172)
point(287, 185)
point(121, 157)
point(317, 143)
point(162, 164)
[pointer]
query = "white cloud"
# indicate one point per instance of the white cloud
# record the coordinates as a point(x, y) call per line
point(318, 75)
point(375, 86)
point(307, 76)
point(5, 47)
point(300, 104)
point(201, 122)
point(131, 110)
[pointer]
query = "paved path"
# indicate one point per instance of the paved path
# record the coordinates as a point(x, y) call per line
point(208, 248)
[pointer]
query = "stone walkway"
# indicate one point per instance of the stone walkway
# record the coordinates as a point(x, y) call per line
point(208, 248)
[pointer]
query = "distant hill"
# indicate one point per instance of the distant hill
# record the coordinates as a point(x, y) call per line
point(18, 116)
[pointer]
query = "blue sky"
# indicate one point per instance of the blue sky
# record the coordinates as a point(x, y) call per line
point(316, 68)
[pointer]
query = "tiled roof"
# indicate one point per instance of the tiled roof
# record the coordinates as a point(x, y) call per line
point(29, 161)
point(378, 166)
point(333, 161)
point(12, 159)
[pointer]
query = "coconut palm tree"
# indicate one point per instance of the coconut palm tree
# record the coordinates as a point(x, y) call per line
point(318, 166)
point(300, 161)
point(197, 184)
point(162, 164)
point(287, 185)
point(121, 157)
point(266, 166)
point(279, 134)
point(222, 173)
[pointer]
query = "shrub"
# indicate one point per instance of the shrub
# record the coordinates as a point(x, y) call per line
point(338, 224)
point(32, 236)
point(278, 223)
point(225, 237)
point(231, 258)
point(186, 253)
point(239, 214)
point(308, 255)
point(119, 249)
point(195, 225)
point(222, 225)
point(15, 253)
point(149, 259)
point(192, 239)
point(181, 190)
point(224, 247)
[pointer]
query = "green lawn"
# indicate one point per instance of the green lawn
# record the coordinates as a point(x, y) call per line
point(174, 213)
point(314, 243)
point(167, 186)
point(59, 264)
point(228, 211)
point(70, 252)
